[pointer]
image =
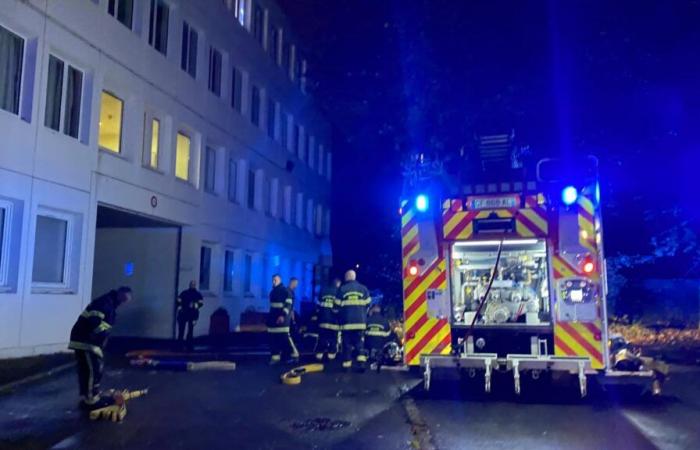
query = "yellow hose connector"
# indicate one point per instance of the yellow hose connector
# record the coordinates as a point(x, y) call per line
point(293, 377)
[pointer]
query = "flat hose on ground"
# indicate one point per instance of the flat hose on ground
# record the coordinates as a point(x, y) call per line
point(293, 377)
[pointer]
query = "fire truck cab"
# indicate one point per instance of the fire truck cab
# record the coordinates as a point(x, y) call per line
point(504, 270)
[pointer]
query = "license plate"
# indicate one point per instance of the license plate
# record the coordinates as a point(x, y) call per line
point(501, 202)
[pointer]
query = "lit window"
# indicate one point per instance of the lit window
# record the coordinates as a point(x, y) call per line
point(188, 60)
point(232, 179)
point(11, 60)
point(158, 29)
point(255, 105)
point(210, 170)
point(204, 268)
point(122, 10)
point(63, 98)
point(215, 71)
point(152, 147)
point(236, 89)
point(182, 157)
point(50, 245)
point(111, 111)
point(271, 116)
point(228, 270)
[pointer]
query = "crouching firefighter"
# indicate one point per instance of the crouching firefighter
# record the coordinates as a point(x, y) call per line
point(328, 322)
point(88, 339)
point(376, 335)
point(279, 320)
point(352, 300)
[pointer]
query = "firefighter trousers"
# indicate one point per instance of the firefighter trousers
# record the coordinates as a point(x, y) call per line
point(90, 367)
point(353, 346)
point(189, 324)
point(327, 342)
point(282, 344)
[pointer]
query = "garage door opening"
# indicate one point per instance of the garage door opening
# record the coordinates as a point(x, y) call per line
point(141, 252)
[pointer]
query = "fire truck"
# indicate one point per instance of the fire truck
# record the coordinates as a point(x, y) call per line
point(504, 269)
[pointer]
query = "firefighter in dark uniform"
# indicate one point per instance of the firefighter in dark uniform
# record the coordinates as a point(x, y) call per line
point(377, 334)
point(188, 304)
point(279, 320)
point(352, 300)
point(328, 322)
point(88, 338)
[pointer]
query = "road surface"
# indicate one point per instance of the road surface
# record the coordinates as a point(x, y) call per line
point(251, 409)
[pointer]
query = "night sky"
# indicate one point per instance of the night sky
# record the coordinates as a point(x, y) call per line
point(620, 80)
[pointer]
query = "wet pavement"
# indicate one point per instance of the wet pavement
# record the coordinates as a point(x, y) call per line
point(250, 409)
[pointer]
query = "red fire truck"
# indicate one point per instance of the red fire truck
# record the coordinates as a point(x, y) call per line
point(503, 269)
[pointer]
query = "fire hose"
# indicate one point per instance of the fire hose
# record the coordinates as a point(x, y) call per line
point(293, 377)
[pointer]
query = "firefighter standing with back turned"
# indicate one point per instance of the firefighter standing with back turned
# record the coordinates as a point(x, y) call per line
point(279, 319)
point(88, 338)
point(352, 300)
point(328, 322)
point(188, 304)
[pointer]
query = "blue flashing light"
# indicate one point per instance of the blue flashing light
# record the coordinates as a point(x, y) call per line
point(422, 203)
point(597, 193)
point(569, 195)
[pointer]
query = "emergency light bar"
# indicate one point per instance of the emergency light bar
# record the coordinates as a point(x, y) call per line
point(509, 242)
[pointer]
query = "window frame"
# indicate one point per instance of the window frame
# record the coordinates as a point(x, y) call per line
point(189, 156)
point(148, 120)
point(250, 189)
point(236, 89)
point(20, 77)
point(207, 246)
point(255, 104)
point(209, 183)
point(65, 284)
point(6, 208)
point(232, 186)
point(257, 29)
point(121, 123)
point(271, 118)
point(214, 79)
point(117, 3)
point(153, 20)
point(248, 264)
point(188, 61)
point(65, 72)
point(229, 275)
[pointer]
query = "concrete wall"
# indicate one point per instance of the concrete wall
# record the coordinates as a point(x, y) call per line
point(44, 170)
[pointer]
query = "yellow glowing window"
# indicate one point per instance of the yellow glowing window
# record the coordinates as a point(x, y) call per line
point(155, 136)
point(182, 157)
point(111, 122)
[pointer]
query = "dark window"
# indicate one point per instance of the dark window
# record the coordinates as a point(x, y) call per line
point(271, 109)
point(258, 19)
point(273, 35)
point(188, 61)
point(228, 271)
point(255, 105)
point(295, 139)
point(215, 71)
point(302, 146)
point(236, 90)
point(210, 170)
point(11, 56)
point(251, 189)
point(248, 273)
point(286, 56)
point(122, 10)
point(50, 242)
point(297, 68)
point(54, 93)
point(158, 30)
point(204, 268)
point(63, 100)
point(283, 129)
point(232, 179)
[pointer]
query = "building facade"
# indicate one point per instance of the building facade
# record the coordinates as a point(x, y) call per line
point(150, 143)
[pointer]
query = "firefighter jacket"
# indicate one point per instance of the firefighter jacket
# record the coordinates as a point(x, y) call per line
point(352, 300)
point(188, 304)
point(93, 326)
point(377, 332)
point(281, 303)
point(327, 309)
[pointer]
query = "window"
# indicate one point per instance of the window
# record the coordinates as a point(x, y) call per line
point(158, 30)
point(295, 139)
point(267, 200)
point(329, 165)
point(284, 130)
point(320, 160)
point(188, 61)
point(303, 137)
point(4, 241)
point(286, 56)
point(241, 11)
point(50, 244)
point(299, 217)
point(247, 288)
point(151, 141)
point(204, 268)
point(110, 126)
point(122, 10)
point(210, 170)
point(311, 152)
point(236, 89)
point(182, 157)
point(297, 67)
point(258, 22)
point(228, 270)
point(319, 220)
point(11, 60)
point(271, 116)
point(273, 37)
point(215, 71)
point(63, 96)
point(251, 189)
point(255, 105)
point(232, 179)
point(288, 204)
point(274, 190)
point(310, 215)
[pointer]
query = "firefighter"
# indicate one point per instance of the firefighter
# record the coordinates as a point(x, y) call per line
point(279, 319)
point(88, 338)
point(328, 322)
point(188, 304)
point(352, 300)
point(377, 334)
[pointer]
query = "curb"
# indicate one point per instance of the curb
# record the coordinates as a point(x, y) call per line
point(5, 388)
